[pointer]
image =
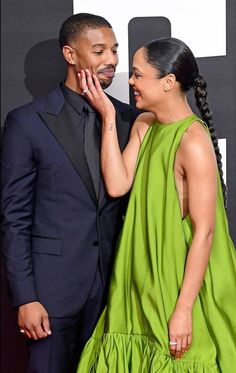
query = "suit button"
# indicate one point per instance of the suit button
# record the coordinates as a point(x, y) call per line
point(95, 243)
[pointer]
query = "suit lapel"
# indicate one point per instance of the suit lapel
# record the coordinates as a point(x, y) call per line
point(71, 141)
point(57, 117)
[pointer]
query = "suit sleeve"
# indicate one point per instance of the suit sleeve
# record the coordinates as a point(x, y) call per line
point(135, 114)
point(18, 191)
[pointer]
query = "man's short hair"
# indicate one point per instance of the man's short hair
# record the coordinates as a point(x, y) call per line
point(78, 24)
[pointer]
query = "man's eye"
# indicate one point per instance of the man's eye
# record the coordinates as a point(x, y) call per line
point(98, 52)
point(114, 51)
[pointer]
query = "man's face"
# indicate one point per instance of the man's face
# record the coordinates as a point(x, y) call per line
point(96, 49)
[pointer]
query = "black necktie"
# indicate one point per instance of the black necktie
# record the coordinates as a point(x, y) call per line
point(92, 146)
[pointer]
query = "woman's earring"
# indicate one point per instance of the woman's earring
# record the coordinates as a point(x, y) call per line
point(165, 89)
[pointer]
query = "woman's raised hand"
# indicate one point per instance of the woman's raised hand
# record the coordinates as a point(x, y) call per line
point(93, 91)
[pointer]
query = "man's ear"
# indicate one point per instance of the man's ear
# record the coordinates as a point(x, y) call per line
point(169, 82)
point(69, 54)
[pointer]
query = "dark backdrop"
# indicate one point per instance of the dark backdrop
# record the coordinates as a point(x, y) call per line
point(32, 65)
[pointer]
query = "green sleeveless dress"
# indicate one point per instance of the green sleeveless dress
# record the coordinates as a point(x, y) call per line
point(132, 333)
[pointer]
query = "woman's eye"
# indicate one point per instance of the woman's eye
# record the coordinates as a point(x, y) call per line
point(98, 52)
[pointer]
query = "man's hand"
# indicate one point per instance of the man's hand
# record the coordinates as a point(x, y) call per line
point(33, 320)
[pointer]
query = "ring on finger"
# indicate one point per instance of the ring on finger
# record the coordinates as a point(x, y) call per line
point(173, 343)
point(85, 91)
point(22, 331)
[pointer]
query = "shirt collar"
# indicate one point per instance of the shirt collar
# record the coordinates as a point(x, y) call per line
point(75, 100)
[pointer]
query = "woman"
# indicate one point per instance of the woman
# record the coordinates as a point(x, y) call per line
point(172, 303)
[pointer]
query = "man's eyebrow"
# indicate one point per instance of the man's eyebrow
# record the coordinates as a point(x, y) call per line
point(103, 45)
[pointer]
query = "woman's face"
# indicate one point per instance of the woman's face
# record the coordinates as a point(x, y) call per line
point(148, 89)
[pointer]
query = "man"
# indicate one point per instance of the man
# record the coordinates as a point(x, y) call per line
point(59, 226)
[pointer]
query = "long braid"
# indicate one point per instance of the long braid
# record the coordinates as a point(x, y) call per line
point(206, 114)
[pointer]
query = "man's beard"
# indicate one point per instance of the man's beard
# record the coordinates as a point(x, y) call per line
point(106, 84)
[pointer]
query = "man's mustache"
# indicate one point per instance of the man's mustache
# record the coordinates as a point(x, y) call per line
point(107, 68)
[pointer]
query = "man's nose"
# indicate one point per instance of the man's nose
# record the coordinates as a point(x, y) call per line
point(112, 58)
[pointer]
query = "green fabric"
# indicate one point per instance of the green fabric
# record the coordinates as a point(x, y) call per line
point(132, 333)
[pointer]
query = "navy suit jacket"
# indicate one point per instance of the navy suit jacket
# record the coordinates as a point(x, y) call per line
point(55, 231)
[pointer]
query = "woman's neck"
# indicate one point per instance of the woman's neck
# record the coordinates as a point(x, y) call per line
point(173, 110)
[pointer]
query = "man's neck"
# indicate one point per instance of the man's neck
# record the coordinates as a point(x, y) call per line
point(73, 83)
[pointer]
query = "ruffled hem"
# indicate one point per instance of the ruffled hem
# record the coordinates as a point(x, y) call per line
point(122, 353)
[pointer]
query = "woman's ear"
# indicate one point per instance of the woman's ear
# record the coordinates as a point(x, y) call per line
point(169, 82)
point(69, 54)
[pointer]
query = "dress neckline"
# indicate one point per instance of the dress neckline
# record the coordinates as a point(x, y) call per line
point(177, 122)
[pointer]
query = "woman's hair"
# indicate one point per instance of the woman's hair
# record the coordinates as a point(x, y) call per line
point(172, 56)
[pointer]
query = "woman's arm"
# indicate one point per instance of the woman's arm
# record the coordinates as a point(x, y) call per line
point(118, 168)
point(197, 158)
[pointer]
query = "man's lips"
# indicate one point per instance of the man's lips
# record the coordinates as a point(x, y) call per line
point(109, 73)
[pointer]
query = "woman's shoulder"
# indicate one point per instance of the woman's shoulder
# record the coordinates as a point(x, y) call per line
point(196, 142)
point(144, 121)
point(146, 118)
point(196, 134)
point(141, 124)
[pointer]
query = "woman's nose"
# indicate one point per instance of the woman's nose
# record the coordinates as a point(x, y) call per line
point(131, 80)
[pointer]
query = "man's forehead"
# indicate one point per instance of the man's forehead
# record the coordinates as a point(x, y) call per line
point(102, 35)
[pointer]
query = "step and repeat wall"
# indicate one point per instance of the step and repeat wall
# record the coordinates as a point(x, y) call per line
point(32, 65)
